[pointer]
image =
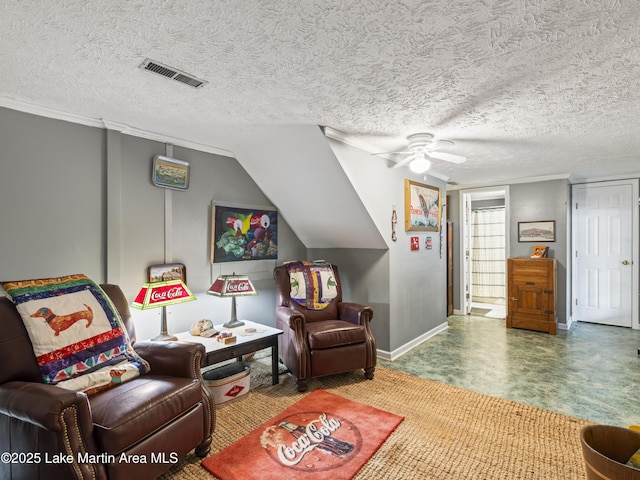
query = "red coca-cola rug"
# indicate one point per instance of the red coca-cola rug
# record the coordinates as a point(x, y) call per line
point(323, 436)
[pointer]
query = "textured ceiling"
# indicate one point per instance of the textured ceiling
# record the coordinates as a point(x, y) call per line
point(524, 87)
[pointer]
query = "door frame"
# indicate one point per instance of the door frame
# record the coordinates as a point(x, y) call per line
point(635, 244)
point(469, 195)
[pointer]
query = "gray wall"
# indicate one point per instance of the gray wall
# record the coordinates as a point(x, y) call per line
point(548, 200)
point(364, 275)
point(51, 192)
point(80, 199)
point(545, 201)
point(412, 283)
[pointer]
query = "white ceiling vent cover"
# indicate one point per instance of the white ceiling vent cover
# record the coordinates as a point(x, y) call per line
point(173, 73)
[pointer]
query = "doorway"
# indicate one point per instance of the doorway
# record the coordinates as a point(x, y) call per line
point(485, 241)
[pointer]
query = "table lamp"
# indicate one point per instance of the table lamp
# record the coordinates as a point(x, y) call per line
point(161, 294)
point(232, 286)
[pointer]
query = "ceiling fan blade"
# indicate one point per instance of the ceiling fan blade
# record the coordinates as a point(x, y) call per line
point(403, 162)
point(391, 153)
point(447, 157)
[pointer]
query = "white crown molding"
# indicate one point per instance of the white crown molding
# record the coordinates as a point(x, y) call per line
point(605, 179)
point(110, 125)
point(344, 138)
point(49, 112)
point(543, 178)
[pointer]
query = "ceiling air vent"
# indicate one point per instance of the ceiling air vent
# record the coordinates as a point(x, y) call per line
point(173, 73)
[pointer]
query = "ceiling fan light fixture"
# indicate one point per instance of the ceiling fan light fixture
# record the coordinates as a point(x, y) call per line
point(419, 165)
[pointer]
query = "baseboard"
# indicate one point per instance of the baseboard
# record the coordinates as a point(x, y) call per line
point(398, 352)
point(458, 312)
point(566, 326)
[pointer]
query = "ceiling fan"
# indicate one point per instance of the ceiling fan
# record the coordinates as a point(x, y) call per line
point(423, 146)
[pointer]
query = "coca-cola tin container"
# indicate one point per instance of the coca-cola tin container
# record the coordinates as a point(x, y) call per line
point(228, 382)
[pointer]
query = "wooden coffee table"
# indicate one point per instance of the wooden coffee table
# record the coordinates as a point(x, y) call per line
point(264, 337)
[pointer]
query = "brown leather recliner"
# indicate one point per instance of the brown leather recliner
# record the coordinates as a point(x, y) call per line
point(317, 343)
point(52, 433)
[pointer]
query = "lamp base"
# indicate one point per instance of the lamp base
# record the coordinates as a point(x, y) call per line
point(165, 337)
point(233, 323)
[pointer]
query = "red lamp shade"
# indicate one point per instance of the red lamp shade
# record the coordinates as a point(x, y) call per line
point(232, 286)
point(161, 294)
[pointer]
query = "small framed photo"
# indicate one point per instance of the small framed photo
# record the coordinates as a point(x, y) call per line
point(167, 271)
point(170, 173)
point(541, 231)
point(540, 251)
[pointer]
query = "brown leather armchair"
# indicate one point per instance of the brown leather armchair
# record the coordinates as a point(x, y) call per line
point(317, 343)
point(53, 433)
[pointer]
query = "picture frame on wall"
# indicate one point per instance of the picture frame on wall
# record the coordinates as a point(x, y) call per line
point(539, 231)
point(422, 207)
point(167, 271)
point(241, 233)
point(170, 173)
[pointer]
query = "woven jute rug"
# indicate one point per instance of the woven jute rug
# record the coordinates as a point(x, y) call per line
point(448, 432)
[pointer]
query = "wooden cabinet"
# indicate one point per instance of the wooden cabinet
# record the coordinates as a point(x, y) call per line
point(532, 297)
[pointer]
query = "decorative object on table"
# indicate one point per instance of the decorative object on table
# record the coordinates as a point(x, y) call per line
point(415, 243)
point(541, 231)
point(344, 435)
point(540, 251)
point(243, 233)
point(226, 337)
point(170, 173)
point(232, 286)
point(203, 328)
point(159, 295)
point(394, 223)
point(167, 271)
point(422, 207)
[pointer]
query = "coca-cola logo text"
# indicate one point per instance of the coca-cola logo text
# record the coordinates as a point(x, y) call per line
point(167, 294)
point(315, 433)
point(238, 286)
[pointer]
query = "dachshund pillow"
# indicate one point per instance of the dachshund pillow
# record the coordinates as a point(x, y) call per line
point(78, 338)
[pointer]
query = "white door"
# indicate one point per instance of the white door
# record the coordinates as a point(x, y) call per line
point(604, 223)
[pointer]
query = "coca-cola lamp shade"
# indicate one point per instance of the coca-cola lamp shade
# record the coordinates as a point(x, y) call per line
point(161, 294)
point(232, 286)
